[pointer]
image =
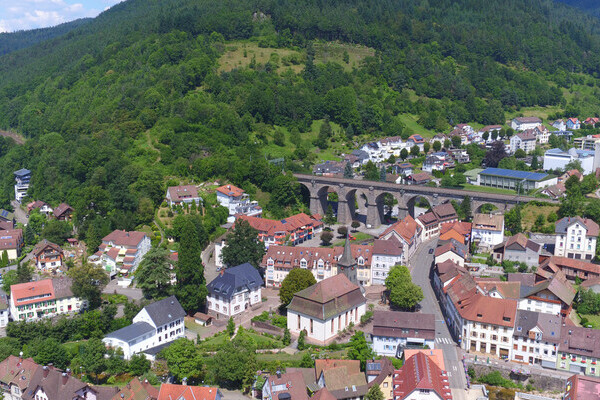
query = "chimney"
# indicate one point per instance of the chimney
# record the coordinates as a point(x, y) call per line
point(46, 371)
point(184, 381)
point(20, 356)
point(69, 371)
point(278, 373)
point(65, 378)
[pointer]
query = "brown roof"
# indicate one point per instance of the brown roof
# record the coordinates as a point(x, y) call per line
point(11, 239)
point(390, 247)
point(345, 382)
point(490, 310)
point(17, 371)
point(420, 177)
point(290, 382)
point(180, 193)
point(529, 134)
point(230, 190)
point(395, 323)
point(463, 228)
point(289, 224)
point(62, 209)
point(381, 369)
point(524, 279)
point(352, 366)
point(323, 394)
point(43, 245)
point(123, 238)
point(290, 256)
point(327, 298)
point(62, 287)
point(522, 241)
point(447, 266)
point(137, 390)
point(169, 391)
point(493, 222)
point(62, 386)
point(580, 265)
point(581, 341)
point(202, 317)
point(528, 119)
point(508, 290)
point(407, 228)
point(558, 285)
point(444, 211)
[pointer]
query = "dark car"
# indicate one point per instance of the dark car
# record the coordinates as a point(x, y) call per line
point(430, 251)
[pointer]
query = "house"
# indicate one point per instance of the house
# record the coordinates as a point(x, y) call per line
point(42, 206)
point(524, 123)
point(180, 195)
point(415, 140)
point(22, 180)
point(47, 256)
point(63, 212)
point(4, 310)
point(342, 378)
point(555, 192)
point(43, 299)
point(572, 172)
point(518, 248)
point(542, 134)
point(289, 385)
point(459, 231)
point(295, 229)
point(465, 128)
point(137, 390)
point(403, 168)
point(536, 338)
point(586, 142)
point(579, 350)
point(571, 267)
point(278, 261)
point(553, 295)
point(381, 372)
point(394, 331)
point(580, 387)
point(558, 159)
point(421, 378)
point(439, 161)
point(386, 254)
point(520, 181)
point(487, 229)
point(237, 202)
point(445, 213)
point(49, 383)
point(326, 308)
point(408, 232)
point(592, 121)
point(15, 376)
point(430, 225)
point(573, 124)
point(576, 238)
point(435, 355)
point(460, 156)
point(154, 327)
point(418, 179)
point(357, 158)
point(170, 391)
point(560, 124)
point(202, 319)
point(591, 284)
point(7, 219)
point(329, 168)
point(525, 141)
point(234, 290)
point(11, 241)
point(451, 250)
point(122, 251)
point(491, 128)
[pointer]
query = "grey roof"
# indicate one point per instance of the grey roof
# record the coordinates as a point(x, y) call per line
point(234, 280)
point(164, 311)
point(361, 154)
point(509, 173)
point(346, 260)
point(22, 172)
point(132, 331)
point(549, 324)
point(157, 349)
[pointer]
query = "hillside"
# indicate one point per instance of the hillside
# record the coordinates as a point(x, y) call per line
point(156, 91)
point(14, 41)
point(590, 6)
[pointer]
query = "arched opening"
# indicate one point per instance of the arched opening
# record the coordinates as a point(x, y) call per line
point(418, 205)
point(387, 207)
point(357, 206)
point(485, 208)
point(305, 196)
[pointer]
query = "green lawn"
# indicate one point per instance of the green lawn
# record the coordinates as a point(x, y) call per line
point(410, 121)
point(486, 189)
point(262, 342)
point(360, 237)
point(593, 320)
point(214, 343)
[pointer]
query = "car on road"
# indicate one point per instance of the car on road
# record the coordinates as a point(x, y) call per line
point(430, 251)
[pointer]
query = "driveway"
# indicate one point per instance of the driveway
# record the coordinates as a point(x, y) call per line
point(131, 293)
point(20, 215)
point(420, 267)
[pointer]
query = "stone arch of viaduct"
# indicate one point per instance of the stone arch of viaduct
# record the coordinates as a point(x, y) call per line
point(348, 190)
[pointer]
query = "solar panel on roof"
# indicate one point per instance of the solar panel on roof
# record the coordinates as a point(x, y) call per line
point(509, 173)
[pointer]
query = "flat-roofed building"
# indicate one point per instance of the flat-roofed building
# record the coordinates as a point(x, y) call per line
point(520, 181)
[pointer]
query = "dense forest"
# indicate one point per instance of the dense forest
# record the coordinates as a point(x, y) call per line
point(19, 40)
point(590, 6)
point(117, 107)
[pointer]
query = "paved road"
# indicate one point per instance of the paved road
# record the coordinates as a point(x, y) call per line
point(420, 267)
point(20, 215)
point(132, 293)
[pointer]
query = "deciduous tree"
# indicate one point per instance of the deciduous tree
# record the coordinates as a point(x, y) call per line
point(184, 361)
point(403, 293)
point(153, 275)
point(88, 282)
point(296, 280)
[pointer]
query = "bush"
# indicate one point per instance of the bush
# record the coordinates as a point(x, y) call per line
point(495, 378)
point(367, 317)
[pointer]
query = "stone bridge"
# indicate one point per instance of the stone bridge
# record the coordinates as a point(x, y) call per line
point(349, 191)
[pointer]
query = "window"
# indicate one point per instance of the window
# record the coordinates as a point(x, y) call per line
point(299, 322)
point(311, 325)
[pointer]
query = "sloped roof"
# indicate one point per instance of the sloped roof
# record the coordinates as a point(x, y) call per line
point(28, 290)
point(137, 390)
point(524, 279)
point(131, 332)
point(490, 310)
point(323, 394)
point(549, 324)
point(321, 364)
point(407, 228)
point(61, 209)
point(62, 387)
point(289, 224)
point(581, 341)
point(234, 279)
point(165, 311)
point(41, 246)
point(10, 239)
point(444, 211)
point(558, 285)
point(179, 193)
point(390, 247)
point(563, 223)
point(420, 372)
point(557, 262)
point(508, 290)
point(17, 371)
point(435, 355)
point(124, 238)
point(396, 323)
point(169, 391)
point(230, 190)
point(521, 240)
point(494, 222)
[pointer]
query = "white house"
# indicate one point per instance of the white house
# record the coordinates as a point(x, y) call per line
point(179, 195)
point(326, 308)
point(451, 250)
point(154, 326)
point(47, 298)
point(386, 254)
point(237, 202)
point(488, 229)
point(560, 125)
point(558, 159)
point(576, 238)
point(123, 251)
point(393, 331)
point(408, 232)
point(524, 123)
point(525, 141)
point(234, 290)
point(536, 338)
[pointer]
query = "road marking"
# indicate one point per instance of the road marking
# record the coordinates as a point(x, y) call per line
point(449, 374)
point(454, 367)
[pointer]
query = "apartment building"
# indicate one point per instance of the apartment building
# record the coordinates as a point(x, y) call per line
point(536, 338)
point(576, 238)
point(122, 251)
point(234, 290)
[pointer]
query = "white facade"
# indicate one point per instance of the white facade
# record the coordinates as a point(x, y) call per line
point(488, 338)
point(558, 159)
point(322, 331)
point(545, 307)
point(4, 314)
point(387, 346)
point(237, 304)
point(534, 350)
point(380, 267)
point(527, 145)
point(450, 255)
point(576, 243)
point(488, 237)
point(237, 202)
point(518, 125)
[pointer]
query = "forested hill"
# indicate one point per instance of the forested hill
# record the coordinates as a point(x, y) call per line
point(19, 40)
point(590, 6)
point(116, 107)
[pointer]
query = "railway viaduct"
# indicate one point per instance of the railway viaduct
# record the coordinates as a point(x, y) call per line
point(406, 195)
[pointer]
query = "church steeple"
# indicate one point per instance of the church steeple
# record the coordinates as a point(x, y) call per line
point(347, 265)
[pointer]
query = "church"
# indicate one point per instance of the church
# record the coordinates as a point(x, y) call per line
point(329, 306)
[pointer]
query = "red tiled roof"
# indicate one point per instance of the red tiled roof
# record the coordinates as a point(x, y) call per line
point(290, 256)
point(407, 228)
point(137, 390)
point(490, 310)
point(61, 209)
point(11, 239)
point(169, 391)
point(32, 289)
point(557, 262)
point(290, 224)
point(391, 247)
point(581, 387)
point(421, 373)
point(180, 193)
point(230, 190)
point(17, 370)
point(290, 382)
point(352, 366)
point(123, 238)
